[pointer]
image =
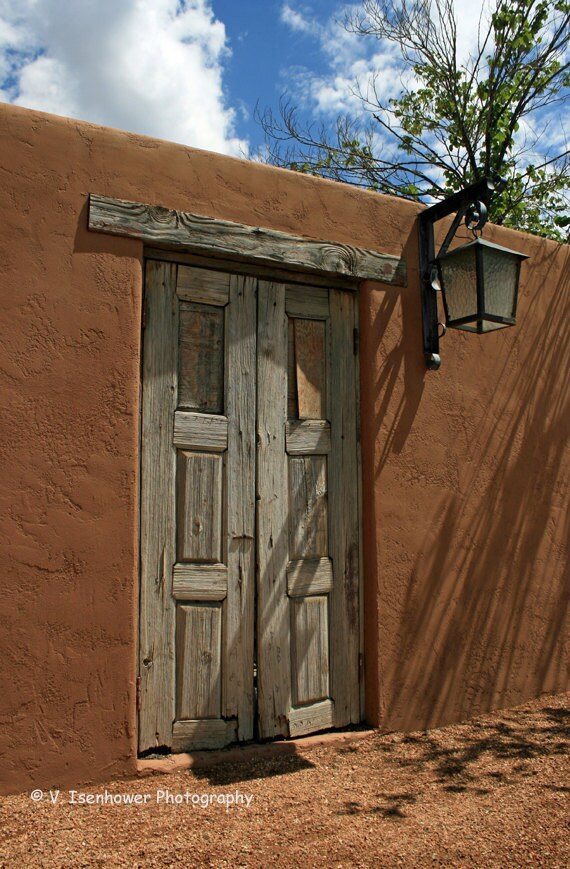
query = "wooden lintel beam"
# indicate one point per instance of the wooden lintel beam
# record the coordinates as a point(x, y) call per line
point(195, 233)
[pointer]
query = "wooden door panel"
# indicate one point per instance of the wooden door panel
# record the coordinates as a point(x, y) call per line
point(309, 576)
point(310, 649)
point(308, 519)
point(273, 616)
point(198, 485)
point(323, 555)
point(344, 512)
point(249, 453)
point(158, 472)
point(199, 517)
point(198, 661)
point(201, 357)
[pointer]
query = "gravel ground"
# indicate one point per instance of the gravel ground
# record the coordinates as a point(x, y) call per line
point(492, 792)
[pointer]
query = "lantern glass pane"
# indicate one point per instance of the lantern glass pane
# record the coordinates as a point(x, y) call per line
point(459, 279)
point(489, 326)
point(500, 272)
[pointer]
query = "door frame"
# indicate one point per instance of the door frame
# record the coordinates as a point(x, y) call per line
point(189, 239)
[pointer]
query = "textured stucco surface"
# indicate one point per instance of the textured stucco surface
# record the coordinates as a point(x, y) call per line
point(466, 470)
point(467, 524)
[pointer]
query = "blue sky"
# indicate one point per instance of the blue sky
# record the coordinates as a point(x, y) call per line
point(192, 71)
point(187, 70)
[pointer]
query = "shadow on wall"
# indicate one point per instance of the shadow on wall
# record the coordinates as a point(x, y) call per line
point(484, 618)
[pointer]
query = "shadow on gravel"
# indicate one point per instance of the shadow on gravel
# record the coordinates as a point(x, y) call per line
point(512, 739)
point(517, 737)
point(247, 770)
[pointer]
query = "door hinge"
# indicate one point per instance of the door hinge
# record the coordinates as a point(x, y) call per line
point(138, 701)
point(355, 341)
point(144, 316)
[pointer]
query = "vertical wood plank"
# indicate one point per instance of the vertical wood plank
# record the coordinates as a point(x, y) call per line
point(310, 649)
point(158, 458)
point(344, 513)
point(308, 507)
point(201, 357)
point(292, 401)
point(199, 507)
point(198, 661)
point(241, 375)
point(273, 629)
point(311, 373)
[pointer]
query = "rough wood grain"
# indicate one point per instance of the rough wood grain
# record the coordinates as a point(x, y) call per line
point(158, 458)
point(203, 285)
point(310, 649)
point(200, 581)
point(200, 431)
point(157, 225)
point(308, 519)
point(273, 630)
point(292, 402)
point(307, 302)
point(206, 734)
point(198, 661)
point(270, 272)
point(310, 719)
point(199, 507)
point(201, 358)
point(311, 370)
point(309, 576)
point(344, 513)
point(240, 405)
point(308, 437)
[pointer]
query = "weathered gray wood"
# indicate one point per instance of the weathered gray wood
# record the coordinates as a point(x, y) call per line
point(240, 471)
point(199, 507)
point(311, 368)
point(292, 402)
point(157, 608)
point(201, 358)
point(198, 661)
point(310, 719)
point(274, 687)
point(205, 734)
point(307, 302)
point(309, 576)
point(203, 285)
point(157, 225)
point(308, 525)
point(308, 437)
point(200, 431)
point(343, 506)
point(200, 581)
point(272, 272)
point(310, 649)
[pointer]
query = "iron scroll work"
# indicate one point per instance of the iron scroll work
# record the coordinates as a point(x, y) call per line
point(470, 205)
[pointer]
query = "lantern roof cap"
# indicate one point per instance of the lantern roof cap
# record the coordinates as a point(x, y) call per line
point(480, 242)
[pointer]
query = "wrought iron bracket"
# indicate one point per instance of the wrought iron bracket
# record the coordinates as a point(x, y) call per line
point(469, 205)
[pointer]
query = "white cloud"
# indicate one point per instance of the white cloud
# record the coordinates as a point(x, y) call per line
point(149, 66)
point(296, 20)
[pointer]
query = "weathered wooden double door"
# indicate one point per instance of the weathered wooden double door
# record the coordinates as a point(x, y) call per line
point(249, 605)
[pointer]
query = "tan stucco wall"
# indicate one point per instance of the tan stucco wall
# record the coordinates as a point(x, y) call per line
point(467, 525)
point(466, 470)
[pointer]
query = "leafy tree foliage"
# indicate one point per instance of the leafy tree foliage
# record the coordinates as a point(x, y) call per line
point(453, 123)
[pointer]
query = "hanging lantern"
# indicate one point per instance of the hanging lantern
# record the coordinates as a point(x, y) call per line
point(479, 285)
point(478, 281)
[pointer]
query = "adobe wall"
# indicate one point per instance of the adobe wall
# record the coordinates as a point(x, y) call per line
point(467, 526)
point(466, 470)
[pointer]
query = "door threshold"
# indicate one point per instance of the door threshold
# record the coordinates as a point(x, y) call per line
point(237, 753)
